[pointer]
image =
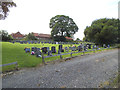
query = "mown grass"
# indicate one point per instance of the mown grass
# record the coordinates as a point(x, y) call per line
point(15, 52)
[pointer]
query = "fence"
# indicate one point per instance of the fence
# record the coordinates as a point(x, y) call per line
point(43, 57)
point(11, 64)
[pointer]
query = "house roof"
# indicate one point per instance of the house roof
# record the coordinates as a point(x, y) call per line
point(35, 34)
point(18, 34)
point(44, 35)
point(68, 38)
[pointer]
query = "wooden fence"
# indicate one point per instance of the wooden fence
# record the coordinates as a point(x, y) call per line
point(16, 65)
point(43, 57)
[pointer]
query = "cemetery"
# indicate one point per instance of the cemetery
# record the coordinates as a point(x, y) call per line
point(29, 53)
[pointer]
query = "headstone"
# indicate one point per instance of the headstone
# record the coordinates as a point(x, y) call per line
point(49, 53)
point(80, 48)
point(73, 48)
point(53, 49)
point(60, 47)
point(44, 49)
point(62, 50)
point(85, 49)
point(89, 46)
point(66, 49)
point(27, 50)
point(56, 42)
point(93, 47)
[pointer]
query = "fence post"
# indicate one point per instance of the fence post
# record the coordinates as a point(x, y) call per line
point(60, 56)
point(71, 54)
point(94, 50)
point(16, 66)
point(43, 61)
point(83, 52)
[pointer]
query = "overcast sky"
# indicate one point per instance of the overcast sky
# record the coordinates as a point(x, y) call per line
point(35, 15)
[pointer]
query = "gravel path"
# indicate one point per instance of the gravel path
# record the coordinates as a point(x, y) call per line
point(87, 71)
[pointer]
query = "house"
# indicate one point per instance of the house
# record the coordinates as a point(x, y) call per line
point(17, 35)
point(45, 36)
point(69, 39)
point(42, 36)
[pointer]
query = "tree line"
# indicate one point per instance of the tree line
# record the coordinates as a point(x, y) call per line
point(101, 31)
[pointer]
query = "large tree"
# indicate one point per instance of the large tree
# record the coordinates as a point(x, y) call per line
point(102, 31)
point(4, 8)
point(62, 26)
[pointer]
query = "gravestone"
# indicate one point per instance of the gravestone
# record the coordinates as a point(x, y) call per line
point(80, 48)
point(66, 49)
point(73, 48)
point(85, 49)
point(27, 50)
point(89, 46)
point(60, 47)
point(62, 50)
point(49, 53)
point(53, 49)
point(44, 49)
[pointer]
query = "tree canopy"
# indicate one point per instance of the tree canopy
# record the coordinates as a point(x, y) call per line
point(62, 26)
point(4, 36)
point(102, 31)
point(30, 36)
point(4, 8)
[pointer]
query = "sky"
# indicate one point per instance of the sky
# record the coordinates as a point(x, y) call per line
point(34, 15)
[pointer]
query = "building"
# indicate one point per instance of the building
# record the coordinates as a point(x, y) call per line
point(42, 36)
point(17, 36)
point(45, 36)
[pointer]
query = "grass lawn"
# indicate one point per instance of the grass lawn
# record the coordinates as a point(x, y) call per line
point(15, 52)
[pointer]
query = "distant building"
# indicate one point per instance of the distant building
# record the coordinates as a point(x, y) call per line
point(42, 36)
point(17, 36)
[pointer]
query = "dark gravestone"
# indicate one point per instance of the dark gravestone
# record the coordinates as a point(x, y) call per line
point(53, 49)
point(49, 53)
point(85, 49)
point(79, 48)
point(62, 50)
point(60, 47)
point(44, 49)
point(89, 46)
point(27, 50)
point(34, 49)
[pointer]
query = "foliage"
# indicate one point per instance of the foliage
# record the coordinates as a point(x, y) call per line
point(4, 36)
point(62, 26)
point(30, 36)
point(4, 8)
point(102, 31)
